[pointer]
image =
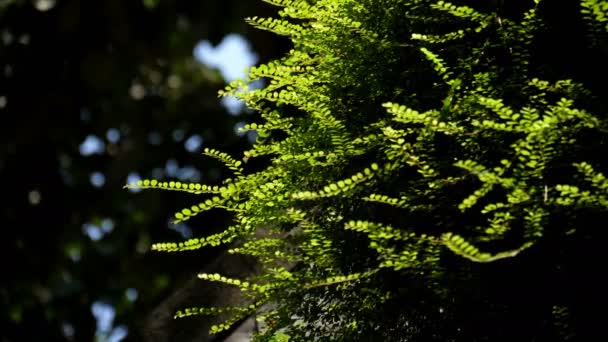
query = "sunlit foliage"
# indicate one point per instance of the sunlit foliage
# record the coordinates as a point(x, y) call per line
point(412, 149)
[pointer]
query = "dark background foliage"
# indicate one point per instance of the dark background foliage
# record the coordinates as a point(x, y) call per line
point(516, 299)
point(74, 69)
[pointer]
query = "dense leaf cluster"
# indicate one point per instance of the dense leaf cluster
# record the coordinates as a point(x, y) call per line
point(427, 174)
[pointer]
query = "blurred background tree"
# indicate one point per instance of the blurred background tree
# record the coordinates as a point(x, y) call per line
point(94, 94)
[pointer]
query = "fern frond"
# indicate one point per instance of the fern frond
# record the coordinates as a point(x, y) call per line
point(460, 11)
point(214, 202)
point(231, 163)
point(376, 231)
point(341, 186)
point(243, 285)
point(461, 247)
point(396, 202)
point(200, 311)
point(280, 27)
point(438, 64)
point(194, 188)
point(338, 279)
point(224, 237)
point(595, 12)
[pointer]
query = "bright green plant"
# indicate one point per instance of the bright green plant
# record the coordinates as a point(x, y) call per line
point(404, 142)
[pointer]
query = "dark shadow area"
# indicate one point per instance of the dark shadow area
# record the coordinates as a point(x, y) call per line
point(92, 95)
